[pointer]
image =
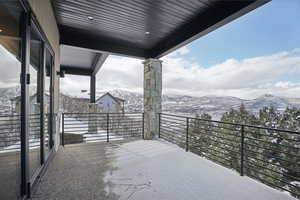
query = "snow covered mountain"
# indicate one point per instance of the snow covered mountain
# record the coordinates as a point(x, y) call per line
point(267, 100)
point(6, 94)
point(213, 105)
point(180, 104)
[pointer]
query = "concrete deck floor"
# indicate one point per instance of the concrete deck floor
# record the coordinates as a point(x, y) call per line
point(10, 172)
point(146, 170)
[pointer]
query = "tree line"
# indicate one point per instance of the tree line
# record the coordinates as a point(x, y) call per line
point(270, 155)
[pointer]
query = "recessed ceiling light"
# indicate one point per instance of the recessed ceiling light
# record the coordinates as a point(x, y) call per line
point(147, 33)
point(0, 30)
point(90, 18)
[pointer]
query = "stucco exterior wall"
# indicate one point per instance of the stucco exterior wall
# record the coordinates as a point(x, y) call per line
point(43, 11)
point(45, 15)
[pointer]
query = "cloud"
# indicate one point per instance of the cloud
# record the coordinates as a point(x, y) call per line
point(286, 84)
point(245, 78)
point(10, 69)
point(180, 52)
point(74, 85)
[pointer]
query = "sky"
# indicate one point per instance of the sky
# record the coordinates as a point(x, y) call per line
point(254, 55)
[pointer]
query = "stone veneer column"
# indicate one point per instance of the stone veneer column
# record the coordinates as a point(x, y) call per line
point(93, 125)
point(152, 96)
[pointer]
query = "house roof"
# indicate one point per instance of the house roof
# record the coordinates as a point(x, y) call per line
point(115, 98)
point(119, 99)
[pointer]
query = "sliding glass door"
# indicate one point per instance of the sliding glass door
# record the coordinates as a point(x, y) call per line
point(48, 101)
point(10, 70)
point(26, 100)
point(40, 102)
point(35, 105)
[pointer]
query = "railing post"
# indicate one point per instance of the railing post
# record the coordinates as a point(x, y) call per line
point(242, 149)
point(159, 118)
point(187, 135)
point(143, 126)
point(107, 128)
point(63, 130)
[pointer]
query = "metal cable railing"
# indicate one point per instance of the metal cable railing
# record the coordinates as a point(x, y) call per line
point(34, 131)
point(269, 155)
point(10, 128)
point(9, 133)
point(92, 127)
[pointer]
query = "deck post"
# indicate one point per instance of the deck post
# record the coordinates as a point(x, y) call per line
point(152, 97)
point(107, 127)
point(93, 116)
point(242, 150)
point(63, 130)
point(159, 121)
point(143, 128)
point(92, 89)
point(187, 135)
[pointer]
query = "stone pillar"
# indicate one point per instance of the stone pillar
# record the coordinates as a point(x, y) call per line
point(152, 96)
point(93, 125)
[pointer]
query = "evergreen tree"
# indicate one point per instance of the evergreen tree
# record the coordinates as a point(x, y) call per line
point(271, 156)
point(290, 148)
point(231, 142)
point(268, 148)
point(200, 134)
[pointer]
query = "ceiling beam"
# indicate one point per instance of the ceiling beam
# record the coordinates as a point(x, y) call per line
point(220, 14)
point(78, 38)
point(98, 62)
point(76, 70)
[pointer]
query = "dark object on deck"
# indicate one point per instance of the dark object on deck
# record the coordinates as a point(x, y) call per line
point(72, 138)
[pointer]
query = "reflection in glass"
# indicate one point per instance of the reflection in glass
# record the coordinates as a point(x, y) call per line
point(34, 102)
point(47, 101)
point(10, 69)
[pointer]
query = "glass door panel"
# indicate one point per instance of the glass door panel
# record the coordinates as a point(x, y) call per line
point(34, 102)
point(48, 101)
point(10, 70)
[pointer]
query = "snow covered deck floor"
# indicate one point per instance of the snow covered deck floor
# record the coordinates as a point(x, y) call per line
point(148, 170)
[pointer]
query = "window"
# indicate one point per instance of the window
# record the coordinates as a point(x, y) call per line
point(11, 101)
point(10, 70)
point(34, 102)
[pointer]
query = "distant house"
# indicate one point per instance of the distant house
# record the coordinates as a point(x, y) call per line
point(74, 104)
point(109, 103)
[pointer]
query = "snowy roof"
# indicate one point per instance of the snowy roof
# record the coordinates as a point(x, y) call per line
point(117, 99)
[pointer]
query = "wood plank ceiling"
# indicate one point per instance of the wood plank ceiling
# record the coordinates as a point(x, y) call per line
point(143, 28)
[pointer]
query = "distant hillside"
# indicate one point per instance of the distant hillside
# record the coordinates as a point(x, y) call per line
point(6, 94)
point(180, 104)
point(213, 105)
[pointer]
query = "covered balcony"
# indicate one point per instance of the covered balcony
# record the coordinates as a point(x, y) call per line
point(105, 156)
point(143, 169)
point(49, 153)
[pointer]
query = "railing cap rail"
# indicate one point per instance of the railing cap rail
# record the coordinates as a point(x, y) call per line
point(100, 113)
